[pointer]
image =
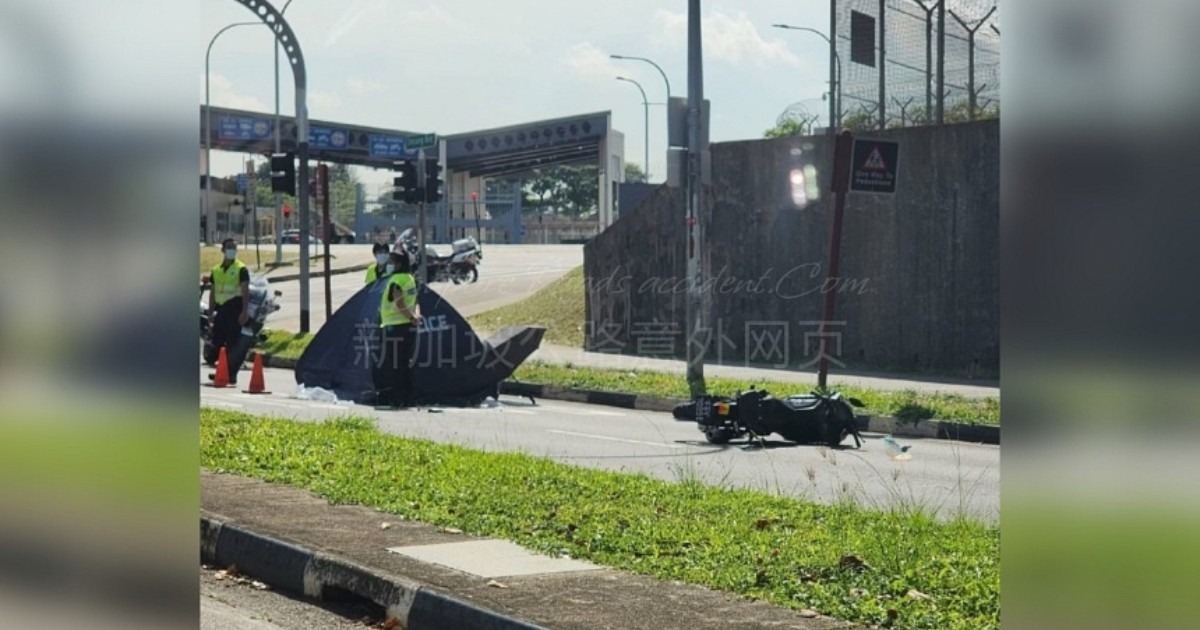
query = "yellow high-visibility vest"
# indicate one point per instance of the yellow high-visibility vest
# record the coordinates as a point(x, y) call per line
point(227, 282)
point(389, 315)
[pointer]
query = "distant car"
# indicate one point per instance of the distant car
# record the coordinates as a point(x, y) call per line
point(292, 237)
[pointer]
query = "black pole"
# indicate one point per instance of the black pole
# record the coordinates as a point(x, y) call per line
point(323, 188)
point(941, 64)
point(841, 176)
point(882, 65)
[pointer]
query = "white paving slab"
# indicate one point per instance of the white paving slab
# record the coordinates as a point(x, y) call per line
point(491, 558)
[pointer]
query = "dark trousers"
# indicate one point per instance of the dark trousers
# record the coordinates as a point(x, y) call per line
point(227, 333)
point(392, 372)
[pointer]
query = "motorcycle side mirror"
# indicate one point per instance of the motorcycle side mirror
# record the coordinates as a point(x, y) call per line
point(854, 401)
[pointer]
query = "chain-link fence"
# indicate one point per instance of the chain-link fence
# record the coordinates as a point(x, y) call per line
point(910, 62)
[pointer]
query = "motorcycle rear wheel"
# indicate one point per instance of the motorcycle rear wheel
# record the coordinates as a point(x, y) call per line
point(718, 436)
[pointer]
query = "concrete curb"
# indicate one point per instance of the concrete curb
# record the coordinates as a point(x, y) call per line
point(291, 567)
point(317, 274)
point(930, 429)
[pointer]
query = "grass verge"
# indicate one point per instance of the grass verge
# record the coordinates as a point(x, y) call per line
point(211, 257)
point(558, 306)
point(285, 344)
point(895, 569)
point(907, 405)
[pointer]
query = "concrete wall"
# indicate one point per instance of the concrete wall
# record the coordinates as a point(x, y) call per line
point(920, 270)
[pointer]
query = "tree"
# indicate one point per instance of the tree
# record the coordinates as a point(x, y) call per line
point(788, 128)
point(570, 190)
point(634, 174)
point(860, 120)
point(342, 184)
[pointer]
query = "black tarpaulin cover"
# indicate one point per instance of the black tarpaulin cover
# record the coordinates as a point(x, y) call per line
point(453, 366)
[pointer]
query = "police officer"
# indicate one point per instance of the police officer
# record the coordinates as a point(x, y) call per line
point(399, 315)
point(228, 301)
point(379, 269)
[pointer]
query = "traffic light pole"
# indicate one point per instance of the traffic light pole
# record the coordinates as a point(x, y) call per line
point(286, 38)
point(423, 271)
point(323, 196)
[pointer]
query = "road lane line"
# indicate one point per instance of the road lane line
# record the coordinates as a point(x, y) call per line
point(580, 412)
point(616, 439)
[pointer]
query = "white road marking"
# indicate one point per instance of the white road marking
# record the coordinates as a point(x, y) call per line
point(615, 439)
point(579, 412)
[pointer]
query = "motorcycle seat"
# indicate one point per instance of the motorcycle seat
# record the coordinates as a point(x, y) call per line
point(802, 402)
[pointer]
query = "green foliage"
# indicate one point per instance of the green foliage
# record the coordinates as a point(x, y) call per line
point(840, 560)
point(787, 129)
point(573, 191)
point(341, 185)
point(634, 174)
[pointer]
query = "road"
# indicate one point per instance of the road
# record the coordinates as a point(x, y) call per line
point(508, 273)
point(945, 477)
point(230, 604)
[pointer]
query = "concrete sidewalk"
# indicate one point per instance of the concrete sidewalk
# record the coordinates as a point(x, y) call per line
point(296, 540)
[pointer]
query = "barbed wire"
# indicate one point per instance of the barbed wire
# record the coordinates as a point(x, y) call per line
point(911, 59)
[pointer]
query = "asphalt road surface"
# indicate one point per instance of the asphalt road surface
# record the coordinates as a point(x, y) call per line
point(507, 274)
point(949, 478)
point(230, 604)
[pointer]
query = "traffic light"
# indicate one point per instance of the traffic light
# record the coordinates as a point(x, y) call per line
point(283, 173)
point(405, 182)
point(433, 180)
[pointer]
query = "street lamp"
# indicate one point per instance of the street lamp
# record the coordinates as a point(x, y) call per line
point(835, 82)
point(656, 67)
point(208, 120)
point(646, 136)
point(667, 82)
point(278, 196)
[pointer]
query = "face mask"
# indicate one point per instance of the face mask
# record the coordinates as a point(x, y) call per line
point(381, 258)
point(230, 254)
point(390, 268)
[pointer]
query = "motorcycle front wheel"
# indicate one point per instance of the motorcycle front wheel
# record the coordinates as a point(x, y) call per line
point(474, 275)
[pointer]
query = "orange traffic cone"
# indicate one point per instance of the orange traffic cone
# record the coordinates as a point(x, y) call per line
point(257, 386)
point(221, 379)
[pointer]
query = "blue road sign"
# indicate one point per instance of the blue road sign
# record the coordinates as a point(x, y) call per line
point(241, 182)
point(328, 138)
point(384, 146)
point(243, 128)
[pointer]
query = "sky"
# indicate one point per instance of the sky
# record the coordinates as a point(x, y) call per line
point(451, 66)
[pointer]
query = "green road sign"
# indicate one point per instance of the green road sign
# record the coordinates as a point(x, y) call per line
point(423, 141)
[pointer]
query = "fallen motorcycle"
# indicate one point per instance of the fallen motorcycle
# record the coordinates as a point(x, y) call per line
point(817, 418)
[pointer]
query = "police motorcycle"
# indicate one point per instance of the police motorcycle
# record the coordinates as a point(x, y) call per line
point(820, 417)
point(262, 304)
point(462, 265)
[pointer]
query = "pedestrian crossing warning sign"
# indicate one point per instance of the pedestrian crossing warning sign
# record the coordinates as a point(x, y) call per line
point(875, 164)
point(874, 161)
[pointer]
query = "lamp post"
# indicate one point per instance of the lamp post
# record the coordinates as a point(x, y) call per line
point(208, 120)
point(835, 80)
point(666, 82)
point(646, 107)
point(278, 196)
